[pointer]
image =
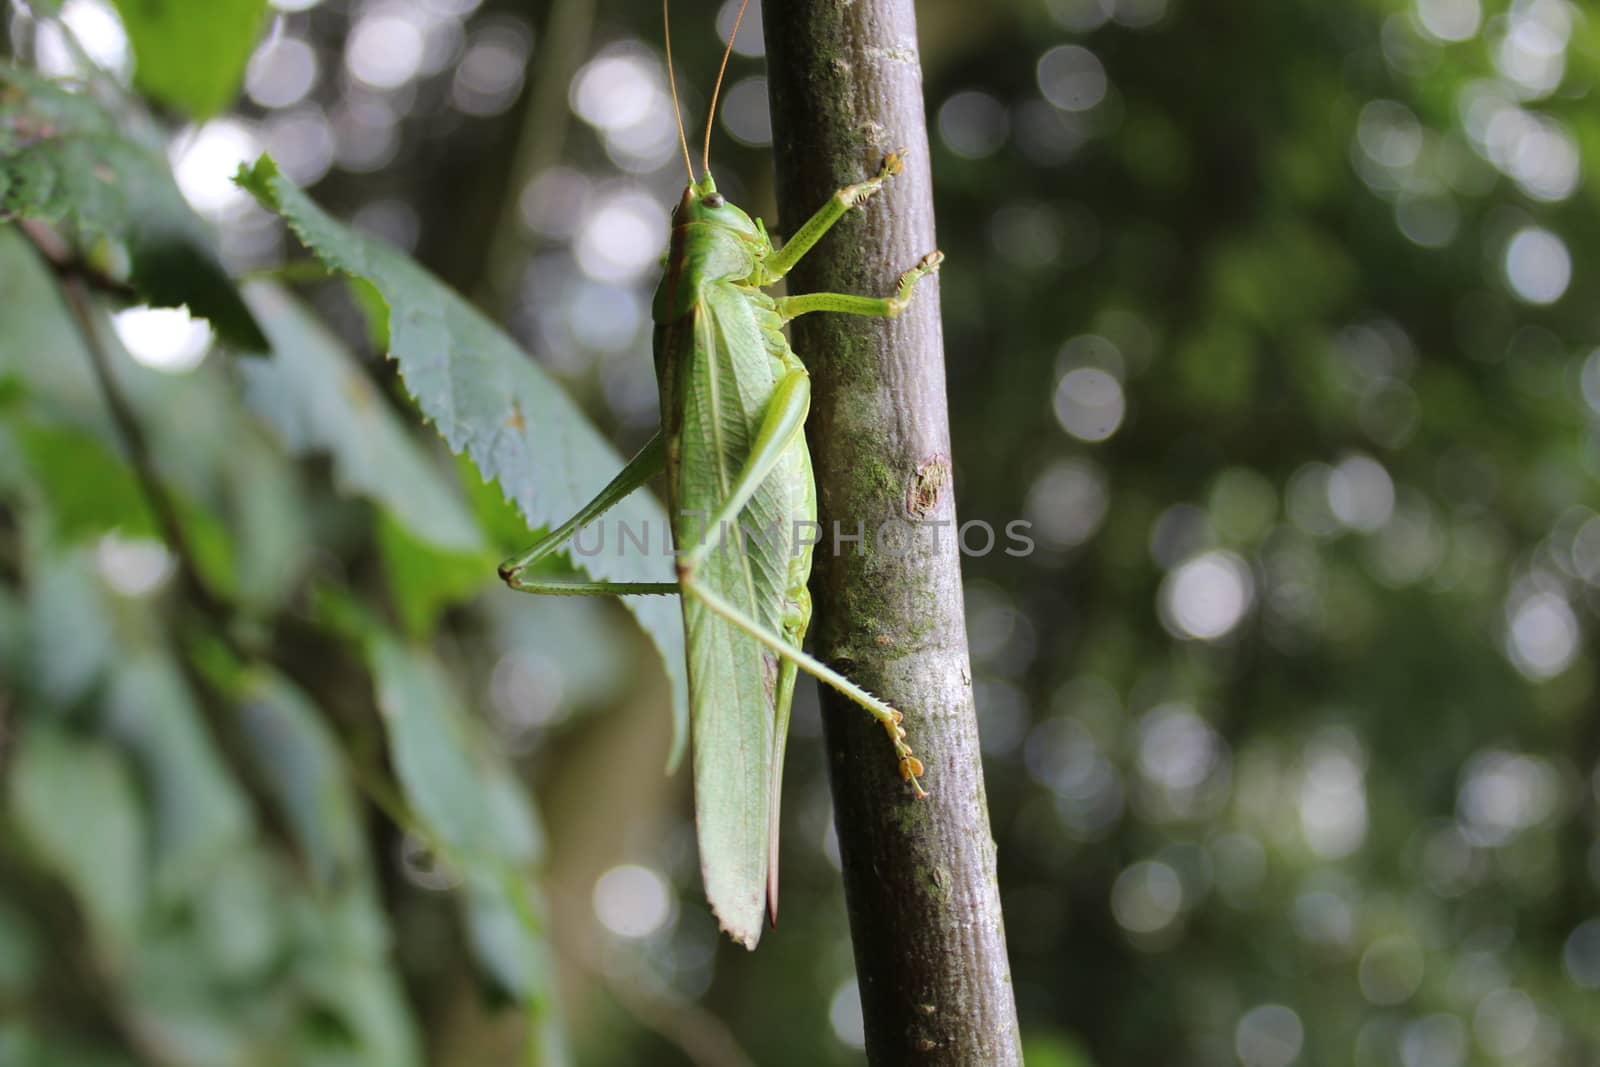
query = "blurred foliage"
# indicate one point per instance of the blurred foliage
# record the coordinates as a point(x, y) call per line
point(166, 38)
point(1274, 320)
point(101, 178)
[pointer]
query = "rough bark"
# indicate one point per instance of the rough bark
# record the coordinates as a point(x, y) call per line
point(919, 876)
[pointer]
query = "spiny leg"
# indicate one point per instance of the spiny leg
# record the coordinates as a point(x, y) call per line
point(806, 237)
point(783, 422)
point(640, 469)
point(883, 307)
point(561, 587)
point(888, 717)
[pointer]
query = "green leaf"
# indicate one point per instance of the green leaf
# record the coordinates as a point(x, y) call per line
point(490, 401)
point(21, 1046)
point(240, 915)
point(269, 517)
point(424, 581)
point(344, 964)
point(200, 815)
point(192, 55)
point(510, 941)
point(319, 399)
point(374, 312)
point(91, 491)
point(497, 517)
point(203, 444)
point(299, 761)
point(446, 772)
point(574, 650)
point(70, 639)
point(365, 995)
point(67, 161)
point(21, 953)
point(76, 805)
point(473, 809)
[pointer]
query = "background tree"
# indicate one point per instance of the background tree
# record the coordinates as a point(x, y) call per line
point(1271, 319)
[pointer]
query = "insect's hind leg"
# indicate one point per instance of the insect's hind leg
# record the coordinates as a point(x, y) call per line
point(886, 307)
point(783, 423)
point(888, 717)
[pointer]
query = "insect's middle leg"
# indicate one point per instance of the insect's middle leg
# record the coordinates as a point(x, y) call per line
point(649, 462)
point(884, 307)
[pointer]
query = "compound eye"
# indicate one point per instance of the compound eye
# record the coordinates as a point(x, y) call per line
point(714, 200)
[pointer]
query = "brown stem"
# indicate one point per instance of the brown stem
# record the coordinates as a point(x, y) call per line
point(162, 509)
point(919, 874)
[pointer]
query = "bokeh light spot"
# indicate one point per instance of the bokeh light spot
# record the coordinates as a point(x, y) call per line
point(1449, 20)
point(751, 42)
point(489, 76)
point(1502, 794)
point(1147, 897)
point(1581, 955)
point(745, 113)
point(385, 48)
point(1177, 748)
point(1541, 634)
point(1390, 971)
point(973, 124)
point(1434, 1041)
point(844, 1015)
point(1268, 1036)
point(204, 161)
point(1067, 502)
point(622, 238)
point(282, 71)
point(1071, 77)
point(168, 339)
point(1089, 403)
point(614, 90)
point(1538, 266)
point(1207, 596)
point(133, 566)
point(1360, 493)
point(1333, 798)
point(95, 28)
point(1505, 1022)
point(633, 901)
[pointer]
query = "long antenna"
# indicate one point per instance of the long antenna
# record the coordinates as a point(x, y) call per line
point(716, 90)
point(672, 84)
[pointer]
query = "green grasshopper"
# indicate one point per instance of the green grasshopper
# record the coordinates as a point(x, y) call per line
point(734, 401)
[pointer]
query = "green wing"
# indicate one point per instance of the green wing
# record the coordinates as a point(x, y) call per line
point(723, 379)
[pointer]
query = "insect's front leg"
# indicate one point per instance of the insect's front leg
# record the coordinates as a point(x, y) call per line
point(806, 237)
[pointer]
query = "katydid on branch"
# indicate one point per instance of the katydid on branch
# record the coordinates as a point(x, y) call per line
point(734, 401)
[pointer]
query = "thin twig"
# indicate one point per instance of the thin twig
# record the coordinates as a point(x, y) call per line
point(162, 508)
point(65, 261)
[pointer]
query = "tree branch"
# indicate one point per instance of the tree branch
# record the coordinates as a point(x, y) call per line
point(919, 875)
point(162, 508)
